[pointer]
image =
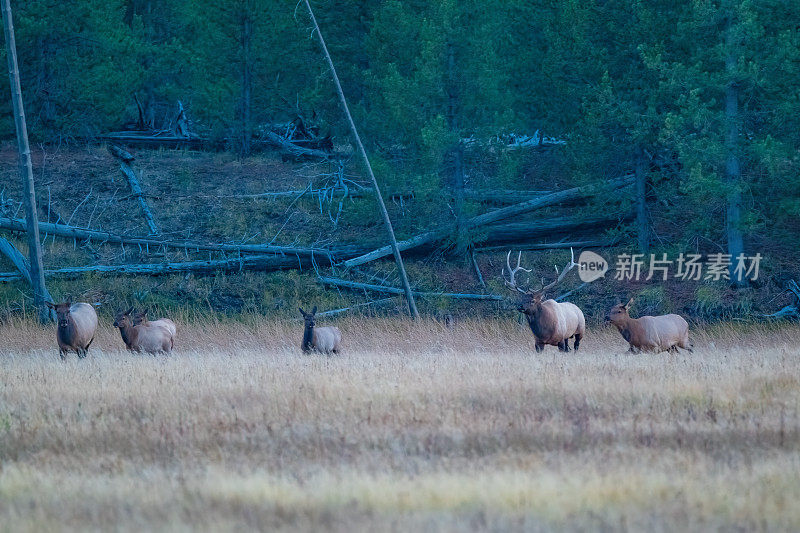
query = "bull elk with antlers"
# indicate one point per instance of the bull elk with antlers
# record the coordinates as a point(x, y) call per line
point(550, 321)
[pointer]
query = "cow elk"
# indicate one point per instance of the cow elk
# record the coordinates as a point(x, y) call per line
point(664, 333)
point(141, 318)
point(551, 322)
point(151, 337)
point(324, 340)
point(77, 324)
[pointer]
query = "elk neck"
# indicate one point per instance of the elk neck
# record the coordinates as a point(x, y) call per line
point(128, 334)
point(308, 338)
point(542, 323)
point(68, 333)
point(625, 325)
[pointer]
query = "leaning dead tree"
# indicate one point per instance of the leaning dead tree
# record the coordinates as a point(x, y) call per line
point(36, 273)
point(384, 213)
point(125, 160)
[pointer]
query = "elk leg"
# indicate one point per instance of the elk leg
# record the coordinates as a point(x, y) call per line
point(62, 354)
point(539, 346)
point(577, 342)
point(564, 345)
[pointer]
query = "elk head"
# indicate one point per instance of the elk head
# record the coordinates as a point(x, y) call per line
point(531, 302)
point(619, 313)
point(123, 319)
point(309, 317)
point(62, 312)
point(140, 318)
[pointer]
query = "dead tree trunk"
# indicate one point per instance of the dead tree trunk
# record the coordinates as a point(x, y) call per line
point(346, 284)
point(642, 226)
point(265, 263)
point(40, 295)
point(733, 219)
point(72, 232)
point(247, 77)
point(412, 306)
point(492, 216)
point(125, 159)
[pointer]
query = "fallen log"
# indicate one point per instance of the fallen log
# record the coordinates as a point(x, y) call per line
point(149, 139)
point(72, 232)
point(502, 196)
point(272, 138)
point(346, 284)
point(550, 246)
point(521, 231)
point(265, 263)
point(490, 217)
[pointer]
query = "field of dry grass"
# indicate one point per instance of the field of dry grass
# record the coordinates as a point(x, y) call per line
point(414, 427)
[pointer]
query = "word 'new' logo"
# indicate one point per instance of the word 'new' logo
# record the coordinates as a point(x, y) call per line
point(591, 266)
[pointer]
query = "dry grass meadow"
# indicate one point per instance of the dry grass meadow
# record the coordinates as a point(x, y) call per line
point(415, 427)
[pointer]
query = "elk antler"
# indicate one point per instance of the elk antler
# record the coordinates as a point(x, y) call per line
point(512, 283)
point(572, 264)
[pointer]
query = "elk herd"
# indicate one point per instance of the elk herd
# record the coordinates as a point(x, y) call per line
point(551, 322)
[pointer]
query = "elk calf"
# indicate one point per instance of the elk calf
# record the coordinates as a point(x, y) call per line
point(324, 340)
point(551, 322)
point(151, 337)
point(77, 324)
point(664, 333)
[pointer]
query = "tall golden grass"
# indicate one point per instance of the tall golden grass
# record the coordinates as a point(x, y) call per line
point(413, 427)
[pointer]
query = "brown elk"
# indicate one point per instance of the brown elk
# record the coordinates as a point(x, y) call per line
point(325, 340)
point(551, 322)
point(151, 337)
point(664, 333)
point(77, 324)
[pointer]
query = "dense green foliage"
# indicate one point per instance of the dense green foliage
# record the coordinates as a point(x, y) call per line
point(613, 79)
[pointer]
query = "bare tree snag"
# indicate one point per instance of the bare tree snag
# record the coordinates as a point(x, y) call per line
point(40, 295)
point(412, 306)
point(642, 226)
point(125, 160)
point(733, 219)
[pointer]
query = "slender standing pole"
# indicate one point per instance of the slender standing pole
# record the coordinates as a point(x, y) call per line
point(395, 250)
point(25, 169)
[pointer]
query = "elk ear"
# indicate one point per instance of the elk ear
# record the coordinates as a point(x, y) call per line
point(129, 311)
point(144, 313)
point(628, 305)
point(51, 305)
point(301, 311)
point(314, 311)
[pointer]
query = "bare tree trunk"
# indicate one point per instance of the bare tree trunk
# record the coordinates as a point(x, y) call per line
point(25, 170)
point(732, 170)
point(247, 78)
point(642, 226)
point(412, 306)
point(456, 153)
